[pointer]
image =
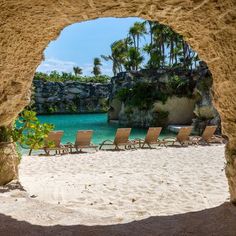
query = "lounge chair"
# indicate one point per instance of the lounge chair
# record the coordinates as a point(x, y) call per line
point(121, 139)
point(182, 137)
point(151, 137)
point(208, 136)
point(83, 140)
point(53, 142)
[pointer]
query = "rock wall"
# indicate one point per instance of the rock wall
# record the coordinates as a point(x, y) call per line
point(70, 97)
point(9, 161)
point(180, 109)
point(208, 26)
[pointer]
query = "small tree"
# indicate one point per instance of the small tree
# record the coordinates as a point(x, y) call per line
point(96, 66)
point(30, 132)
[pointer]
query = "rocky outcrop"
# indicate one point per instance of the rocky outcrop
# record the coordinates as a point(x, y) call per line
point(208, 26)
point(70, 97)
point(169, 104)
point(9, 161)
point(180, 110)
point(205, 112)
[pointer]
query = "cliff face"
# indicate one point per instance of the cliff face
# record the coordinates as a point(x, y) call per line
point(70, 97)
point(163, 97)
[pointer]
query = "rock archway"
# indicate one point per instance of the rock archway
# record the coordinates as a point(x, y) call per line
point(27, 27)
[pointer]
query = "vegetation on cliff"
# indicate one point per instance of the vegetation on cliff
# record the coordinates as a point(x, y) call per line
point(143, 94)
point(55, 76)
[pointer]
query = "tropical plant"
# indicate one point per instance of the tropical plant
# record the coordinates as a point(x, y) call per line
point(77, 70)
point(118, 54)
point(137, 31)
point(30, 132)
point(134, 59)
point(96, 66)
point(56, 77)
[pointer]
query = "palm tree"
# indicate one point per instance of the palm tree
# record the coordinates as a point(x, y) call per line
point(137, 31)
point(96, 66)
point(119, 50)
point(77, 70)
point(135, 59)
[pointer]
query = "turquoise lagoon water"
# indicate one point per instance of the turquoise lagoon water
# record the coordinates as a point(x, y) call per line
point(97, 122)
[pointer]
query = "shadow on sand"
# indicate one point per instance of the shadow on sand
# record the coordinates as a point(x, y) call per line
point(220, 221)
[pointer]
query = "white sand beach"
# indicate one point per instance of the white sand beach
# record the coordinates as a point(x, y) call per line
point(111, 188)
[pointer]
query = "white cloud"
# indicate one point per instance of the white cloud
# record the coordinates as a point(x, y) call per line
point(52, 64)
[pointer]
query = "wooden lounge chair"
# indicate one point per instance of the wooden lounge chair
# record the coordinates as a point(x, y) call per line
point(151, 137)
point(83, 140)
point(208, 136)
point(182, 137)
point(53, 142)
point(121, 139)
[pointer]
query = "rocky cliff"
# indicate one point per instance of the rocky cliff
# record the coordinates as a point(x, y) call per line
point(70, 97)
point(163, 97)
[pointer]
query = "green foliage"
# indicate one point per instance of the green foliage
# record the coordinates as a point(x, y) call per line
point(73, 107)
point(5, 134)
point(57, 77)
point(52, 109)
point(104, 104)
point(142, 95)
point(30, 131)
point(77, 70)
point(179, 86)
point(166, 48)
point(129, 110)
point(134, 59)
point(205, 84)
point(123, 94)
point(96, 66)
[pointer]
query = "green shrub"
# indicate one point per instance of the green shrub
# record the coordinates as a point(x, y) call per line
point(52, 109)
point(123, 94)
point(180, 86)
point(142, 95)
point(104, 104)
point(73, 107)
point(30, 132)
point(55, 76)
point(5, 134)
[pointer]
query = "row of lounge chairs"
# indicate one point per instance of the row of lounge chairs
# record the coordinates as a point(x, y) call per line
point(84, 137)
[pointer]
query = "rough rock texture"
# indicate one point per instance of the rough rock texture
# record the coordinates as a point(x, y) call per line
point(180, 110)
point(70, 97)
point(208, 26)
point(9, 161)
point(168, 104)
point(175, 111)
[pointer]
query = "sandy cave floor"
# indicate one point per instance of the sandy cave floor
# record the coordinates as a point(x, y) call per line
point(163, 191)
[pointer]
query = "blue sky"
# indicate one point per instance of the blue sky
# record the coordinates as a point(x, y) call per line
point(79, 43)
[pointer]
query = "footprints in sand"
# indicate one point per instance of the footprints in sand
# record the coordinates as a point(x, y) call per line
point(113, 188)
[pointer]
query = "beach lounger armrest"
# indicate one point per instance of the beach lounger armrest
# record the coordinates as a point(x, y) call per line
point(105, 143)
point(108, 140)
point(168, 138)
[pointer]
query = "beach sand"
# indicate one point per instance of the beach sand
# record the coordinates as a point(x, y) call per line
point(141, 192)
